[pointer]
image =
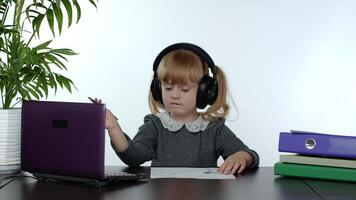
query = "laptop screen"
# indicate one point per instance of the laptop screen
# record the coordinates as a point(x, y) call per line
point(63, 138)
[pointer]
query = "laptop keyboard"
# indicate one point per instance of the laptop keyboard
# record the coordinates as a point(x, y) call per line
point(123, 176)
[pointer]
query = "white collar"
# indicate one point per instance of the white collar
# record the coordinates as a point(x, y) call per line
point(195, 126)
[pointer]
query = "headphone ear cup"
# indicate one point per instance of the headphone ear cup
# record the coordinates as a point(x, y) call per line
point(156, 90)
point(207, 92)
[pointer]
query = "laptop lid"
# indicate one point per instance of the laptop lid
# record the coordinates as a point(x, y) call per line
point(63, 138)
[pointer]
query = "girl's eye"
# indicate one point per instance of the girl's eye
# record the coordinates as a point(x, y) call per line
point(185, 90)
point(168, 88)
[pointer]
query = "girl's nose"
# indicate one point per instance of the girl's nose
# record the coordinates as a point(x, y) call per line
point(175, 93)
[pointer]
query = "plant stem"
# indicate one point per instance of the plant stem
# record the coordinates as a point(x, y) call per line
point(16, 103)
point(2, 99)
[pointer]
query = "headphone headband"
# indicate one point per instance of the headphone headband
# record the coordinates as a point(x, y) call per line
point(208, 86)
point(186, 46)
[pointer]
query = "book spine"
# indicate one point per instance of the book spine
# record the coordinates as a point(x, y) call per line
point(312, 171)
point(318, 145)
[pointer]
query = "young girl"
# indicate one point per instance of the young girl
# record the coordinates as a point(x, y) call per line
point(176, 134)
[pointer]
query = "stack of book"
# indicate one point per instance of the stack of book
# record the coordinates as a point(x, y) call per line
point(317, 155)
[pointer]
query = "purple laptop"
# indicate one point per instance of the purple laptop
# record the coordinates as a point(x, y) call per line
point(64, 140)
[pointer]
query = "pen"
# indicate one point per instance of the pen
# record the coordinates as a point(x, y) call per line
point(91, 99)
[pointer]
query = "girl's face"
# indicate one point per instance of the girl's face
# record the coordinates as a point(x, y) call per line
point(180, 100)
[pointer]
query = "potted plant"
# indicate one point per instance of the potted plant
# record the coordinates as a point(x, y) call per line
point(28, 66)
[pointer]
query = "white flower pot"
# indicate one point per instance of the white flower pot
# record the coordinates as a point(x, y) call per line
point(10, 140)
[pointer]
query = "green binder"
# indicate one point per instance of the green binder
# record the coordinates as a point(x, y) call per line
point(313, 171)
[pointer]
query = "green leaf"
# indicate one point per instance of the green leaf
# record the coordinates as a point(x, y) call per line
point(58, 3)
point(3, 6)
point(42, 46)
point(66, 83)
point(59, 17)
point(46, 66)
point(24, 94)
point(32, 92)
point(69, 52)
point(56, 61)
point(61, 56)
point(59, 80)
point(43, 83)
point(79, 11)
point(27, 76)
point(93, 3)
point(33, 10)
point(69, 10)
point(35, 87)
point(31, 13)
point(52, 81)
point(50, 20)
point(36, 24)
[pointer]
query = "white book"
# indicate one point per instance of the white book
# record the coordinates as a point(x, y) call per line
point(321, 161)
point(188, 172)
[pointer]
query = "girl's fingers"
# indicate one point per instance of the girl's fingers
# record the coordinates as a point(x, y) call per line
point(241, 169)
point(235, 168)
point(222, 168)
point(97, 101)
point(228, 168)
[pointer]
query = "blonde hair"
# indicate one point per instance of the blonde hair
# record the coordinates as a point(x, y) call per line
point(179, 66)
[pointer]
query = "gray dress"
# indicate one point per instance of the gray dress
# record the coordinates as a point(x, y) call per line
point(194, 144)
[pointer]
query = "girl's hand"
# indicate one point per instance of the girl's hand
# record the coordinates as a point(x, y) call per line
point(96, 100)
point(116, 134)
point(238, 161)
point(110, 119)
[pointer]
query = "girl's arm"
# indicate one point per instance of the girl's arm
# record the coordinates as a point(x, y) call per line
point(116, 134)
point(143, 145)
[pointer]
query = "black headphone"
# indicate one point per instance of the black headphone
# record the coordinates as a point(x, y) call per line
point(208, 86)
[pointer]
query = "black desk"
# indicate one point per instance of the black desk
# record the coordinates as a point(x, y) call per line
point(256, 184)
point(333, 190)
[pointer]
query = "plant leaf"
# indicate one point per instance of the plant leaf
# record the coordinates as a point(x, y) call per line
point(64, 51)
point(35, 87)
point(59, 79)
point(66, 83)
point(36, 24)
point(42, 46)
point(52, 81)
point(43, 83)
point(59, 17)
point(58, 3)
point(69, 10)
point(56, 61)
point(30, 13)
point(50, 20)
point(32, 92)
point(79, 11)
point(93, 2)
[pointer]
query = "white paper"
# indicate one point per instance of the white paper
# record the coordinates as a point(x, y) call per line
point(188, 172)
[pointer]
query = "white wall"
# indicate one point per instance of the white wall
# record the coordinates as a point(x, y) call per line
point(290, 64)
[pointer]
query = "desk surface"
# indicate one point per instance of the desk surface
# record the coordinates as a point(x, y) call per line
point(255, 184)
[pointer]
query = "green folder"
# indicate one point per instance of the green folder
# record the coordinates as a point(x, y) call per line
point(314, 171)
